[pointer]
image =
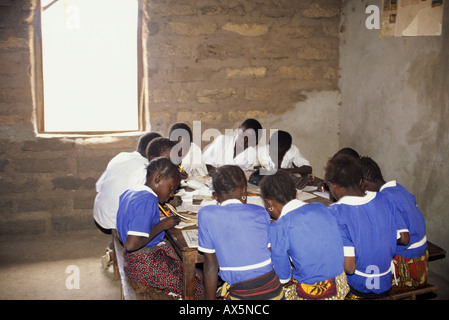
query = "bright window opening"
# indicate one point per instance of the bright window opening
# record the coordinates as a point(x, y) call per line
point(90, 65)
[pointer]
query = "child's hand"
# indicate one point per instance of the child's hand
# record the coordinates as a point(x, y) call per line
point(170, 222)
point(184, 175)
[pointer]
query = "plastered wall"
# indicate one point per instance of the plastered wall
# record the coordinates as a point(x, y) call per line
point(395, 109)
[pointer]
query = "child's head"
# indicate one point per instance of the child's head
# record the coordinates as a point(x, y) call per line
point(343, 172)
point(348, 151)
point(280, 143)
point(159, 147)
point(229, 182)
point(278, 188)
point(181, 134)
point(248, 134)
point(179, 131)
point(144, 140)
point(371, 174)
point(163, 178)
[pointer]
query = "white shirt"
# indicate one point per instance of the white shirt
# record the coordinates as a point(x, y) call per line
point(262, 158)
point(193, 163)
point(124, 171)
point(221, 152)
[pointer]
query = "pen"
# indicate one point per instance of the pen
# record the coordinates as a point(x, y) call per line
point(165, 213)
point(260, 163)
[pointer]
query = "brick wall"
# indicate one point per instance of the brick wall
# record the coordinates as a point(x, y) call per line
point(217, 62)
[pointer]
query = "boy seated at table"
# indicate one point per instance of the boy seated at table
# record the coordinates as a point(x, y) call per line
point(189, 153)
point(282, 154)
point(225, 148)
point(411, 261)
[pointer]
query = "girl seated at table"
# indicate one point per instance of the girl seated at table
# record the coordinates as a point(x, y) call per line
point(411, 261)
point(281, 153)
point(369, 228)
point(234, 239)
point(306, 246)
point(148, 260)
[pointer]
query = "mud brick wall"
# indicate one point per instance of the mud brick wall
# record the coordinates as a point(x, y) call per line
point(217, 62)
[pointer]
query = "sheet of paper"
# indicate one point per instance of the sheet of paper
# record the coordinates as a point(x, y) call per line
point(309, 188)
point(191, 237)
point(304, 196)
point(183, 224)
point(322, 194)
point(255, 200)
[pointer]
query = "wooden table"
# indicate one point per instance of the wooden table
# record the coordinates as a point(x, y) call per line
point(435, 252)
point(189, 256)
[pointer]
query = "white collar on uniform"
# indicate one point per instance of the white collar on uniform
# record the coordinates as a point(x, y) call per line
point(356, 201)
point(290, 206)
point(389, 184)
point(230, 201)
point(143, 187)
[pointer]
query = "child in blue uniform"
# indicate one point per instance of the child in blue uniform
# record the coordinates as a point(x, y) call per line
point(234, 239)
point(369, 228)
point(148, 260)
point(307, 237)
point(410, 260)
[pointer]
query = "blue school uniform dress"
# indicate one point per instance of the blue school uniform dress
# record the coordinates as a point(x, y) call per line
point(139, 212)
point(369, 228)
point(307, 234)
point(155, 265)
point(412, 217)
point(238, 235)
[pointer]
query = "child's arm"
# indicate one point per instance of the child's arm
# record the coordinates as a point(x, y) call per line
point(404, 238)
point(349, 265)
point(134, 243)
point(210, 275)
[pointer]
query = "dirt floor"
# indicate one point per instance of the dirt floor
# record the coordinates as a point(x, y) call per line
point(47, 268)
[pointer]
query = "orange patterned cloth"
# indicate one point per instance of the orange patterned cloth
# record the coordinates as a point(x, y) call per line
point(410, 273)
point(333, 289)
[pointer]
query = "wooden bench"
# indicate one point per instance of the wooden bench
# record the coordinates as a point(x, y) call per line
point(132, 290)
point(411, 294)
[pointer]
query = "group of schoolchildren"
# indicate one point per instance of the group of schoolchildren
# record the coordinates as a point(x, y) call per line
point(369, 241)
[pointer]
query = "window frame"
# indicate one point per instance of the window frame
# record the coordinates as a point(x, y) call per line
point(38, 80)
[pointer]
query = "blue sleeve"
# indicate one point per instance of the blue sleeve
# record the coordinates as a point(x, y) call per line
point(205, 243)
point(348, 244)
point(400, 216)
point(146, 215)
point(279, 252)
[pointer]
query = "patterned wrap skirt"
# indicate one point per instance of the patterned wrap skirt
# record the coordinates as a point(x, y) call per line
point(158, 267)
point(264, 287)
point(411, 273)
point(333, 289)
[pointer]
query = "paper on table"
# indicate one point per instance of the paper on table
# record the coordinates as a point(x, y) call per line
point(255, 200)
point(322, 194)
point(195, 184)
point(183, 224)
point(191, 237)
point(309, 188)
point(304, 196)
